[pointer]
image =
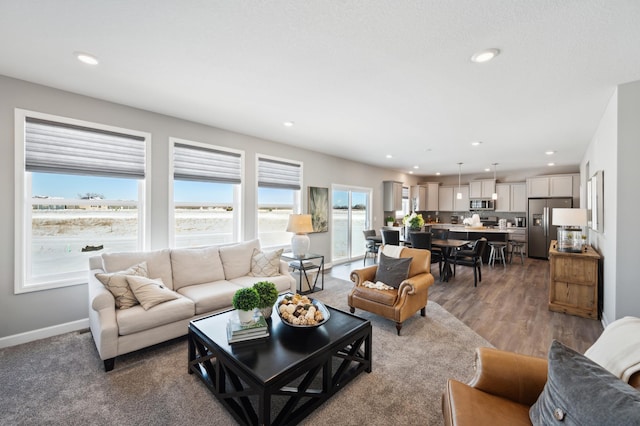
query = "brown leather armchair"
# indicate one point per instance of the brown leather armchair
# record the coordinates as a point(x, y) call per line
point(396, 304)
point(505, 386)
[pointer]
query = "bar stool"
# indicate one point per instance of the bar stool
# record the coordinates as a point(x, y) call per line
point(497, 252)
point(516, 247)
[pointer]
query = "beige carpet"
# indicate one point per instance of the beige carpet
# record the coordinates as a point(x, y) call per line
point(60, 380)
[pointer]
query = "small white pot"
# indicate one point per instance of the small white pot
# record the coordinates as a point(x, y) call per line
point(245, 317)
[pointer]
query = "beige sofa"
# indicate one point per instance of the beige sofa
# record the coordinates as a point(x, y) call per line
point(204, 278)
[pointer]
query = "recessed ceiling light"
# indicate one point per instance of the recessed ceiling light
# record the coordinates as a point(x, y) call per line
point(86, 58)
point(416, 167)
point(437, 173)
point(549, 152)
point(411, 172)
point(476, 143)
point(487, 169)
point(389, 156)
point(485, 55)
point(551, 164)
point(288, 124)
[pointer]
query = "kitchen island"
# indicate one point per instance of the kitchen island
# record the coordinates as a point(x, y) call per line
point(473, 233)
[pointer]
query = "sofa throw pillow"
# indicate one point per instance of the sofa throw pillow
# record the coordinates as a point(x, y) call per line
point(150, 292)
point(116, 283)
point(265, 263)
point(580, 392)
point(392, 271)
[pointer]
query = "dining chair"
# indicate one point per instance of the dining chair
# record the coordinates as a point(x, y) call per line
point(371, 246)
point(439, 234)
point(471, 257)
point(422, 240)
point(390, 237)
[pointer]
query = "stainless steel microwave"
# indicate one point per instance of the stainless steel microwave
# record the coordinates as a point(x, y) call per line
point(482, 205)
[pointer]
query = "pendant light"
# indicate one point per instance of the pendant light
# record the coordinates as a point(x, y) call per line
point(494, 196)
point(459, 194)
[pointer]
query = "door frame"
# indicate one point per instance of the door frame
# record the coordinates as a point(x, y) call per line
point(367, 224)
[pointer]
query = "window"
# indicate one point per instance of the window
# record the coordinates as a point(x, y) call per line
point(279, 184)
point(207, 183)
point(83, 193)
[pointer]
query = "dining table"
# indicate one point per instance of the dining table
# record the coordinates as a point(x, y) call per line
point(447, 246)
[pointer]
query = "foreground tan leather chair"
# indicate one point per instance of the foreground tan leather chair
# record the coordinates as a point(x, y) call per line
point(397, 304)
point(505, 386)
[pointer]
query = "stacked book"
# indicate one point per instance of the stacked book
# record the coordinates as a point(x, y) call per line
point(237, 332)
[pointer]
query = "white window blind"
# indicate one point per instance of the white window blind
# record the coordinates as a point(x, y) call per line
point(197, 163)
point(53, 147)
point(405, 192)
point(279, 174)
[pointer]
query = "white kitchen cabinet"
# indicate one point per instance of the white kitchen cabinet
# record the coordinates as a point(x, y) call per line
point(561, 186)
point(432, 196)
point(392, 196)
point(482, 188)
point(512, 197)
point(551, 186)
point(461, 205)
point(519, 197)
point(445, 198)
point(503, 203)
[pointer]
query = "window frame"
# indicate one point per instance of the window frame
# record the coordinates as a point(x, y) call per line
point(297, 196)
point(24, 197)
point(238, 222)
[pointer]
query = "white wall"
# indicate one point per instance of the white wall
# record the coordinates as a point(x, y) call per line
point(27, 312)
point(615, 149)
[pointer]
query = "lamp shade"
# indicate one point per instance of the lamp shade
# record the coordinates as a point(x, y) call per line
point(569, 217)
point(300, 223)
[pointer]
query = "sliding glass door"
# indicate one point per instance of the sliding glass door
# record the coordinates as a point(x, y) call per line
point(351, 214)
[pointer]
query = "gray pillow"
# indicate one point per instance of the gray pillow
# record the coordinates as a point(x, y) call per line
point(392, 271)
point(580, 392)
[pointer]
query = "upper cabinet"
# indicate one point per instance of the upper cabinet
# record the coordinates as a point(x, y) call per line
point(445, 198)
point(483, 188)
point(392, 196)
point(432, 196)
point(461, 205)
point(551, 186)
point(512, 197)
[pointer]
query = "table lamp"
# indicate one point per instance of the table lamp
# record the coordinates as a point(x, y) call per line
point(300, 225)
point(571, 222)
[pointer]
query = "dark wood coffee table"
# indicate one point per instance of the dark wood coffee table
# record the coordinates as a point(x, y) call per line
point(282, 378)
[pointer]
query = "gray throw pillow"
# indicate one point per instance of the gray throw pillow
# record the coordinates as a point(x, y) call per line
point(392, 271)
point(580, 392)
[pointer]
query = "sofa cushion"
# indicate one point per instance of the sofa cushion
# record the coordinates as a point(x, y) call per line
point(158, 263)
point(392, 271)
point(236, 258)
point(265, 263)
point(150, 292)
point(283, 282)
point(116, 283)
point(196, 266)
point(210, 296)
point(384, 297)
point(580, 392)
point(136, 319)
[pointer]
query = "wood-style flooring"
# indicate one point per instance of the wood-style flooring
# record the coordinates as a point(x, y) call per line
point(508, 308)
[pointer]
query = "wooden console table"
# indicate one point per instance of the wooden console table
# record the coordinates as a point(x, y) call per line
point(574, 282)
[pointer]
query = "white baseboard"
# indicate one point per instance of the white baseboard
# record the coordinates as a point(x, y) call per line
point(43, 333)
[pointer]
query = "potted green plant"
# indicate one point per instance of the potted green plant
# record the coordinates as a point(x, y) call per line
point(390, 220)
point(268, 294)
point(245, 301)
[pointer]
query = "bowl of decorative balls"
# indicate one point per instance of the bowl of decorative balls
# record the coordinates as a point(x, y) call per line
point(300, 311)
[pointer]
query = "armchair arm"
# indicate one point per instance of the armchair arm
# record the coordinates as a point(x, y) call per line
point(415, 284)
point(359, 276)
point(517, 377)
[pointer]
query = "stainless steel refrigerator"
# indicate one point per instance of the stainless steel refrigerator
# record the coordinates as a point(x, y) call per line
point(540, 228)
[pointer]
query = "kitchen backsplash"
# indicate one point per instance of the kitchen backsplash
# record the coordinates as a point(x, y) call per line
point(445, 217)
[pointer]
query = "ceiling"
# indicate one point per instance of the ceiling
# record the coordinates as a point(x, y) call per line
point(360, 79)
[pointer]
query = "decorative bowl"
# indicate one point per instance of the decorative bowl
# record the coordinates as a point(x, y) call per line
point(318, 305)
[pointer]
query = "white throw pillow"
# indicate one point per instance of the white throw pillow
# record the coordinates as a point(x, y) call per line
point(150, 292)
point(265, 263)
point(236, 258)
point(116, 283)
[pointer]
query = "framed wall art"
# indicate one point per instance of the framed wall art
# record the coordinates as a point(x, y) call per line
point(319, 208)
point(597, 201)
